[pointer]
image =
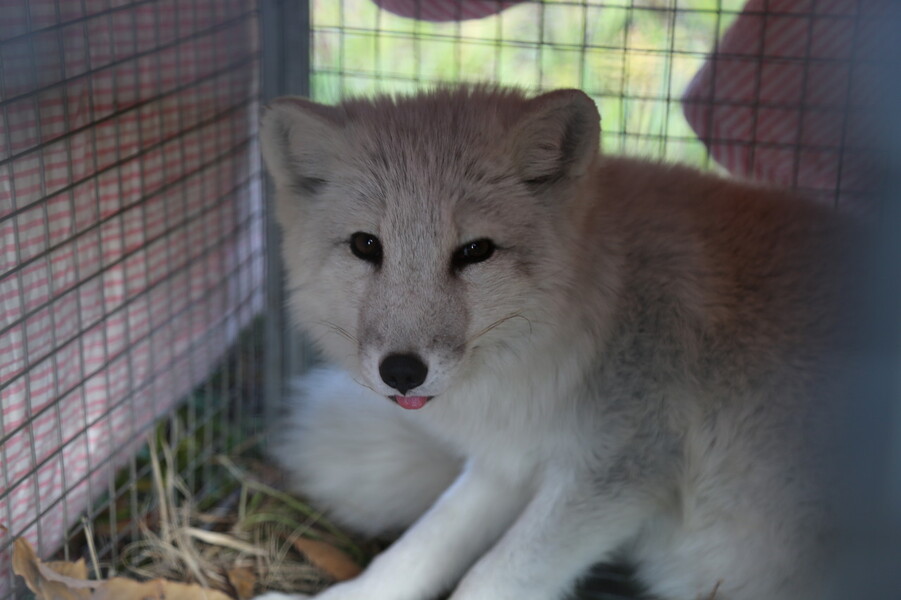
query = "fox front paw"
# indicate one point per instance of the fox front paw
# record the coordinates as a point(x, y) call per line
point(281, 596)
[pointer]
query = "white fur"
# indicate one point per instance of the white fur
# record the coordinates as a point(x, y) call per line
point(642, 369)
point(355, 436)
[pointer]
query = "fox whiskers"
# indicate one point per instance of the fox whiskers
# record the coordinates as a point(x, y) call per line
point(340, 331)
point(501, 321)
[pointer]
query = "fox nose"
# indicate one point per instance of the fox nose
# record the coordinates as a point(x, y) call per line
point(403, 372)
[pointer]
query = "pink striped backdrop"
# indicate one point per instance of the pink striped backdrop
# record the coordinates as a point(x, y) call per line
point(785, 99)
point(130, 232)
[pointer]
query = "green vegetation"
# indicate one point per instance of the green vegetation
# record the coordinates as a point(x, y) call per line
point(634, 57)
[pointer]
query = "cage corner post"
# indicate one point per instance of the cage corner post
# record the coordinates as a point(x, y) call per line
point(285, 44)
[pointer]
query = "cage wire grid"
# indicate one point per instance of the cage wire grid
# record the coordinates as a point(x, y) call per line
point(539, 45)
point(785, 72)
point(133, 255)
point(136, 243)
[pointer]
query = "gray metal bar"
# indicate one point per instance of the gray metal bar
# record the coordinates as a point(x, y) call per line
point(285, 36)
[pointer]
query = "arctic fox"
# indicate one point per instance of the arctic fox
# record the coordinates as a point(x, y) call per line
point(546, 357)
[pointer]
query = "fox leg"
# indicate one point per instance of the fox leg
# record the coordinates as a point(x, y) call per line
point(435, 552)
point(565, 529)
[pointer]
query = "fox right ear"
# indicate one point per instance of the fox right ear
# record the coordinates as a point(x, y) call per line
point(557, 138)
point(300, 140)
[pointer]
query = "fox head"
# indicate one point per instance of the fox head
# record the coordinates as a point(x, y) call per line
point(424, 234)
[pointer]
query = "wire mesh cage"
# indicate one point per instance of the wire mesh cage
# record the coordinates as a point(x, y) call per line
point(133, 254)
point(634, 57)
point(139, 282)
point(772, 103)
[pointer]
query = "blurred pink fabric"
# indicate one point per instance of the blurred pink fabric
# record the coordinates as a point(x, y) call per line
point(785, 97)
point(445, 10)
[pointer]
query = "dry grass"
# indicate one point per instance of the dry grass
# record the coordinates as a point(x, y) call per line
point(245, 546)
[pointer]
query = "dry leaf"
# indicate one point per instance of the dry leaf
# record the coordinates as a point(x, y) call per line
point(243, 579)
point(76, 570)
point(67, 581)
point(40, 577)
point(120, 588)
point(334, 562)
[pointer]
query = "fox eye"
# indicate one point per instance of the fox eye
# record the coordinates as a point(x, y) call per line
point(473, 252)
point(367, 247)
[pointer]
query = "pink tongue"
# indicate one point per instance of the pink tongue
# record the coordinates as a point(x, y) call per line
point(411, 402)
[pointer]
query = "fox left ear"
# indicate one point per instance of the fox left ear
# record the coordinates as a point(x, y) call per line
point(557, 138)
point(300, 140)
